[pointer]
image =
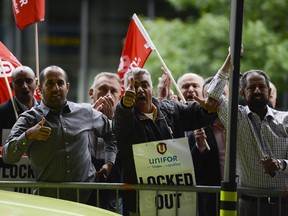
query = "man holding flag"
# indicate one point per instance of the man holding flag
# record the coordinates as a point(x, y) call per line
point(24, 84)
point(139, 118)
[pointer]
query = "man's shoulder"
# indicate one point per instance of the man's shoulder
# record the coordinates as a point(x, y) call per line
point(72, 105)
point(80, 107)
point(7, 115)
point(164, 102)
point(6, 109)
point(168, 106)
point(7, 105)
point(171, 105)
point(280, 114)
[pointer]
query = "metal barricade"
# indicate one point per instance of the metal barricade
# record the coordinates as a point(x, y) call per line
point(118, 187)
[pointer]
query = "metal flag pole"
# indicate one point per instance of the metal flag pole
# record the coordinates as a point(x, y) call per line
point(228, 193)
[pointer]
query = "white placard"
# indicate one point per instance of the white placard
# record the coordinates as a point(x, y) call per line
point(5, 134)
point(166, 162)
point(20, 171)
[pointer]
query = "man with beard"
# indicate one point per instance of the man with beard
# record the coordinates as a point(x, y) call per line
point(261, 142)
point(140, 118)
point(24, 85)
point(54, 135)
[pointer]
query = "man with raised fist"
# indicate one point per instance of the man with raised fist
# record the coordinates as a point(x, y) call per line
point(140, 118)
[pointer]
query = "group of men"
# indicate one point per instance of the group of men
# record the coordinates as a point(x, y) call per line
point(67, 141)
point(61, 137)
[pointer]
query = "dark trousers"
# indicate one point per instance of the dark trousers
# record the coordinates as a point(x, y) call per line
point(108, 197)
point(207, 204)
point(129, 202)
point(248, 206)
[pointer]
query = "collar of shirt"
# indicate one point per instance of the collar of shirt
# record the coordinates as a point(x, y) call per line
point(45, 109)
point(23, 107)
point(269, 112)
point(153, 114)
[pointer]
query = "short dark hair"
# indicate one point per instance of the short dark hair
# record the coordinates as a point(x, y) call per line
point(51, 67)
point(243, 80)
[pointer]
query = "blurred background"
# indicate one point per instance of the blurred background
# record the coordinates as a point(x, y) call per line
point(86, 37)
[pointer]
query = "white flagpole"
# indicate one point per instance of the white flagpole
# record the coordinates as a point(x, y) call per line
point(36, 50)
point(9, 89)
point(152, 46)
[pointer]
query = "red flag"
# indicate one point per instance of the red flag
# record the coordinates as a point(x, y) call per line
point(9, 63)
point(27, 12)
point(137, 47)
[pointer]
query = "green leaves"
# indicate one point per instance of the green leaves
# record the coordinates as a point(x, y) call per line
point(199, 44)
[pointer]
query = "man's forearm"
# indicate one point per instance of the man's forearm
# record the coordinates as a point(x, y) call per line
point(13, 150)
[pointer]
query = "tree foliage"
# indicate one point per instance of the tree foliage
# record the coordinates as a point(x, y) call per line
point(200, 44)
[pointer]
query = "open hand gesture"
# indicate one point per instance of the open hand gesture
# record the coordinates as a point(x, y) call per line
point(105, 105)
point(209, 104)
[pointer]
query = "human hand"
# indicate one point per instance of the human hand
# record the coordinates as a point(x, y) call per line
point(200, 137)
point(241, 51)
point(271, 165)
point(164, 85)
point(104, 171)
point(105, 105)
point(209, 104)
point(38, 132)
point(129, 95)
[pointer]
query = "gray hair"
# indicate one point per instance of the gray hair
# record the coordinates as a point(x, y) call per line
point(136, 71)
point(181, 78)
point(109, 75)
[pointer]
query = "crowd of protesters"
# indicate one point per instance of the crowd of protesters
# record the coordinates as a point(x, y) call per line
point(78, 142)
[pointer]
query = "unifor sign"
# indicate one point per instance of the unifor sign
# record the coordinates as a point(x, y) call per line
point(165, 162)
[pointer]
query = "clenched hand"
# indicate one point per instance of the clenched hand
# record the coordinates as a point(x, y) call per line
point(39, 131)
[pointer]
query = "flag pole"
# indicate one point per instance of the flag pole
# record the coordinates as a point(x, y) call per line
point(228, 193)
point(9, 89)
point(36, 50)
point(151, 44)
